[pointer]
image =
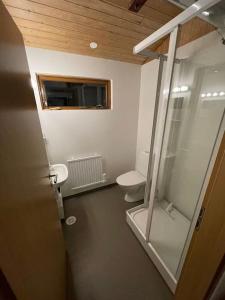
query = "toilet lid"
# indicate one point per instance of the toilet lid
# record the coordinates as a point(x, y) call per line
point(131, 178)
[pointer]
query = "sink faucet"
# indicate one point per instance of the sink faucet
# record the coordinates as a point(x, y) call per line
point(55, 177)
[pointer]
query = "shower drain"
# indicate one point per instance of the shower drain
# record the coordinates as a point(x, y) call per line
point(71, 220)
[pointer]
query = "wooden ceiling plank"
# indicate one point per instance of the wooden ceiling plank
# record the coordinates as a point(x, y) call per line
point(165, 7)
point(76, 19)
point(153, 11)
point(112, 9)
point(72, 34)
point(85, 51)
point(121, 3)
point(70, 41)
point(151, 22)
point(26, 25)
point(109, 9)
point(71, 7)
point(79, 52)
point(58, 23)
point(101, 53)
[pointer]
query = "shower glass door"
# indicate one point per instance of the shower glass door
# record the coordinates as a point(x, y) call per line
point(194, 115)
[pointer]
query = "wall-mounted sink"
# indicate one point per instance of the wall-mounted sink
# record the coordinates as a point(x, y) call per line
point(61, 174)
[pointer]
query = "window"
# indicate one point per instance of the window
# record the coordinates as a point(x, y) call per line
point(74, 93)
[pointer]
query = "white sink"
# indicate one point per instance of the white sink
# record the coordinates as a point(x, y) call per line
point(61, 172)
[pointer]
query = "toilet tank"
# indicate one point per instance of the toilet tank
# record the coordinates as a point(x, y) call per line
point(142, 162)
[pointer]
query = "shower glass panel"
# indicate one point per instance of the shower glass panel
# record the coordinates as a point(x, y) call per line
point(195, 111)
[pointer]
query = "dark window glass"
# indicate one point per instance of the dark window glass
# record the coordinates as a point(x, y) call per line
point(74, 93)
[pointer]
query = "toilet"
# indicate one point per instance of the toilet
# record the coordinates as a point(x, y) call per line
point(133, 182)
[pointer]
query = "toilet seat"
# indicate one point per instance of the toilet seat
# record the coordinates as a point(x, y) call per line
point(131, 178)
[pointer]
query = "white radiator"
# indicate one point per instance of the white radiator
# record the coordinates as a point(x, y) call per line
point(86, 171)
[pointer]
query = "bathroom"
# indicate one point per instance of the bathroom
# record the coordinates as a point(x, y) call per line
point(101, 132)
point(130, 169)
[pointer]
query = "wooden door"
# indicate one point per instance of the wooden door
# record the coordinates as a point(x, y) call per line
point(32, 254)
point(208, 243)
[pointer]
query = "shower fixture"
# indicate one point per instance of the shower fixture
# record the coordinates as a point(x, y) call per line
point(186, 132)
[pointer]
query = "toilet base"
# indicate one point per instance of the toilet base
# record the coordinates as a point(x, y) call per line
point(133, 197)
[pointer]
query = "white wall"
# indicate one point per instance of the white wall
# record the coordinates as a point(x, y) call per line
point(71, 133)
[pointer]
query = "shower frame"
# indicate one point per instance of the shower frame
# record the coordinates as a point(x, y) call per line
point(159, 121)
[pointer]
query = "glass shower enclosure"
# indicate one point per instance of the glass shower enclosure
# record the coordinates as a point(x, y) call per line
point(187, 129)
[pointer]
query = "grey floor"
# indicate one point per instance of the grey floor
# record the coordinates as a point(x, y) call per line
point(107, 261)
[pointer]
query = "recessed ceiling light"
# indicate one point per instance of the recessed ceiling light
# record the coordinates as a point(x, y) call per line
point(215, 94)
point(93, 45)
point(206, 13)
point(208, 94)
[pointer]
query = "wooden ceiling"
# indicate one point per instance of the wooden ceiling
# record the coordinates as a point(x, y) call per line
point(70, 25)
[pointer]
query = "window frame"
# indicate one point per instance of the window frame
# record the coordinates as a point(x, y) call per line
point(43, 98)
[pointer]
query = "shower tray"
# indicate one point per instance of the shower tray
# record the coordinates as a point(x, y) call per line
point(167, 238)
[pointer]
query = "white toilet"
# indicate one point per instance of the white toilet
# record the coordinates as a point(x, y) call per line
point(133, 182)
